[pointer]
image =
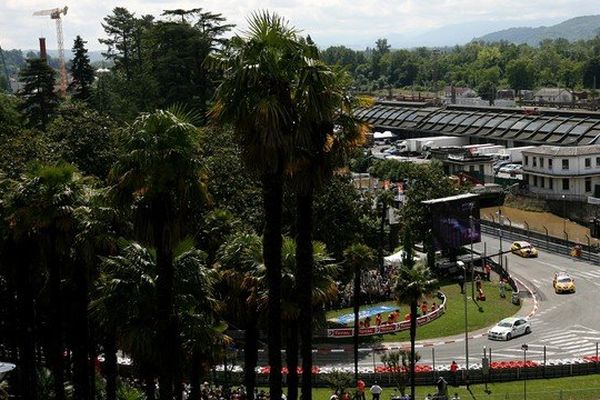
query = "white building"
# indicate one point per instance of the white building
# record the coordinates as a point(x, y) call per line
point(571, 173)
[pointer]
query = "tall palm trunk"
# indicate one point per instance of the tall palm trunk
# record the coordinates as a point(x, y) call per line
point(167, 333)
point(251, 355)
point(273, 197)
point(356, 310)
point(413, 337)
point(292, 359)
point(56, 348)
point(304, 262)
point(110, 366)
point(195, 375)
point(81, 378)
point(27, 369)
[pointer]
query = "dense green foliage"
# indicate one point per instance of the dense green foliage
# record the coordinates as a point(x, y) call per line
point(477, 64)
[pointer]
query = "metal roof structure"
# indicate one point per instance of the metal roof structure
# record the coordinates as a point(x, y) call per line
point(544, 126)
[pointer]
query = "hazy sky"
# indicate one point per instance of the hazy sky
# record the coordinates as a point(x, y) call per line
point(350, 22)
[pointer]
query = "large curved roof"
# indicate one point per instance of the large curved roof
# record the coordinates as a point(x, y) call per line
point(556, 127)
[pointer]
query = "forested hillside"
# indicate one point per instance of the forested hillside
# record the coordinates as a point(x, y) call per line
point(580, 28)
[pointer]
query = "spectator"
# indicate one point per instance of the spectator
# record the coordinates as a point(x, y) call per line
point(378, 319)
point(453, 371)
point(360, 388)
point(345, 395)
point(376, 391)
point(424, 308)
point(433, 307)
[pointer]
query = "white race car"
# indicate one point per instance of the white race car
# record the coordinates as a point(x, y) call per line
point(509, 328)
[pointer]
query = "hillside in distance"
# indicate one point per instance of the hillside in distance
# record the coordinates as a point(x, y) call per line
point(579, 28)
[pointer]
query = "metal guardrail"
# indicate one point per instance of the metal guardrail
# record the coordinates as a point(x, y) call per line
point(543, 241)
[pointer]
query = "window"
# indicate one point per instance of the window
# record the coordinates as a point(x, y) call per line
point(541, 162)
point(550, 163)
point(565, 163)
point(588, 163)
point(535, 180)
point(551, 183)
point(597, 161)
point(588, 185)
point(565, 184)
point(542, 182)
point(535, 161)
point(527, 160)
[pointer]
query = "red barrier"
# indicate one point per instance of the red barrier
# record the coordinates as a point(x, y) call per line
point(386, 328)
point(266, 370)
point(513, 364)
point(418, 368)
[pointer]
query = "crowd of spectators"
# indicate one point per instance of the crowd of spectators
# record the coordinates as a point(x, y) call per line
point(375, 287)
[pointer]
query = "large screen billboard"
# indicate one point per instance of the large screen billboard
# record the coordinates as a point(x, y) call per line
point(451, 224)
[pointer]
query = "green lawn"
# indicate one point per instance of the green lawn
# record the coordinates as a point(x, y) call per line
point(452, 322)
point(574, 388)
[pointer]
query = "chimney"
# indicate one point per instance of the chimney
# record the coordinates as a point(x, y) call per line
point(43, 54)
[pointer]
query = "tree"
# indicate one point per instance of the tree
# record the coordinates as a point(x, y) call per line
point(256, 97)
point(159, 181)
point(591, 73)
point(82, 73)
point(398, 362)
point(39, 100)
point(413, 284)
point(43, 208)
point(84, 138)
point(241, 269)
point(326, 134)
point(119, 28)
point(358, 257)
point(520, 74)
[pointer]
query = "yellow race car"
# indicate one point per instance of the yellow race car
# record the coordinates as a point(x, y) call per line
point(563, 283)
point(523, 249)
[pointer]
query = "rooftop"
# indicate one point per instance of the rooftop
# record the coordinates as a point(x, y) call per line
point(564, 151)
point(542, 127)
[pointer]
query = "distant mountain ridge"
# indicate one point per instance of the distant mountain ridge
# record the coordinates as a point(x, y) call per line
point(578, 28)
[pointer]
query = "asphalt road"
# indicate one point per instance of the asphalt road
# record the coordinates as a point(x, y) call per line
point(568, 325)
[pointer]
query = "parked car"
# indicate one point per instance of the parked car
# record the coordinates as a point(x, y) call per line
point(509, 328)
point(508, 168)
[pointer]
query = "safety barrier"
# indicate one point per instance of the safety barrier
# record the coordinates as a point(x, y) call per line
point(544, 241)
point(389, 328)
point(499, 371)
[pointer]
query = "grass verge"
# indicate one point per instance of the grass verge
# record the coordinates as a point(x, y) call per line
point(480, 315)
point(573, 388)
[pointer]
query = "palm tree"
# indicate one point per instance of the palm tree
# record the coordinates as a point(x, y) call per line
point(127, 299)
point(241, 269)
point(255, 95)
point(413, 284)
point(358, 257)
point(398, 362)
point(159, 180)
point(322, 291)
point(43, 209)
point(326, 133)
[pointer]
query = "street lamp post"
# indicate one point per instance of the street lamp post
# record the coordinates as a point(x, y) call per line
point(500, 235)
point(564, 201)
point(462, 264)
point(525, 348)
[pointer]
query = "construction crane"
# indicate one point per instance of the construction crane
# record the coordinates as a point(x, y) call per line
point(55, 14)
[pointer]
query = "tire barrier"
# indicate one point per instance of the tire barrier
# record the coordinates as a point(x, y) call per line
point(337, 333)
point(500, 371)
